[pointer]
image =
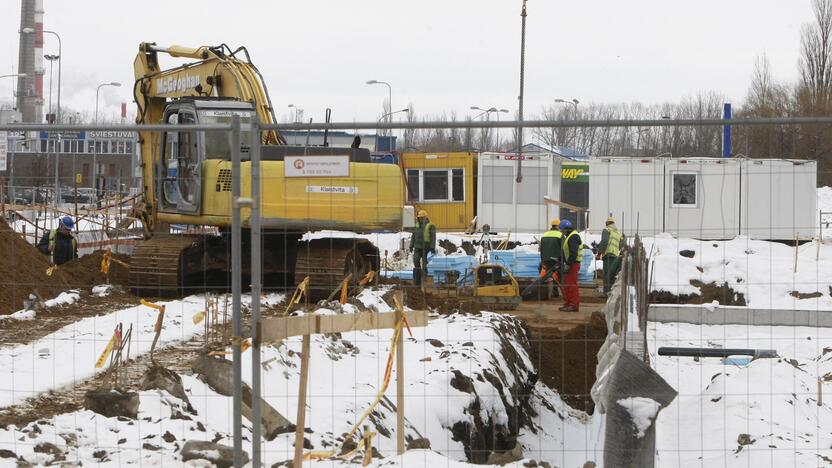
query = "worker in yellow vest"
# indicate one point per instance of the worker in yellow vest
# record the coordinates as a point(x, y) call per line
point(572, 254)
point(609, 250)
point(59, 242)
point(551, 253)
point(422, 242)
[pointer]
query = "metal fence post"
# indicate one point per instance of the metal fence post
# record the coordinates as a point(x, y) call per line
point(236, 280)
point(256, 287)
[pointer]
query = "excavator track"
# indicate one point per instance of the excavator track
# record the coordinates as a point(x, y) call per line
point(328, 261)
point(156, 264)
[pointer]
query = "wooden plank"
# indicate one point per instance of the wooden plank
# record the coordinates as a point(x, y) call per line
point(400, 393)
point(278, 328)
point(300, 422)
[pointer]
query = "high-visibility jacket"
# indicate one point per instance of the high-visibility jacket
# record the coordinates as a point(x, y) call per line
point(568, 255)
point(551, 245)
point(612, 237)
point(424, 237)
point(64, 256)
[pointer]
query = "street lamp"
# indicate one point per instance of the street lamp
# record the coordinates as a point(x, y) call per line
point(487, 114)
point(389, 93)
point(95, 148)
point(60, 62)
point(14, 75)
point(298, 111)
point(574, 102)
point(51, 59)
point(390, 114)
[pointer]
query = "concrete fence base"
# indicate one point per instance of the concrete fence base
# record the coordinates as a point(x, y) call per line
point(737, 315)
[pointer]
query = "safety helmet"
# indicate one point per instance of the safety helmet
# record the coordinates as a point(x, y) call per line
point(555, 222)
point(422, 214)
point(565, 224)
point(68, 222)
point(610, 220)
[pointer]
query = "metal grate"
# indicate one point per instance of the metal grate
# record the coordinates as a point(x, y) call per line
point(224, 181)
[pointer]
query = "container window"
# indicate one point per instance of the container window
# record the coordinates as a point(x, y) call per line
point(412, 184)
point(533, 187)
point(458, 184)
point(435, 185)
point(497, 184)
point(684, 189)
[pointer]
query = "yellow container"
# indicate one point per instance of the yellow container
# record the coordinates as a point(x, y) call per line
point(443, 184)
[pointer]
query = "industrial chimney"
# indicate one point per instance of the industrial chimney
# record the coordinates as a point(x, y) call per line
point(30, 61)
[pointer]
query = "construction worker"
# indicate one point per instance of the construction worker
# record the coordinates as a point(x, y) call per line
point(59, 243)
point(609, 250)
point(572, 254)
point(422, 242)
point(551, 253)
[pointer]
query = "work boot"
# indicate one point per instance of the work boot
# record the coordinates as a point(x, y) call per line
point(569, 309)
point(563, 308)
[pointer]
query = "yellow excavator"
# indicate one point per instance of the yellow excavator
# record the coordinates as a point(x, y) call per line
point(187, 183)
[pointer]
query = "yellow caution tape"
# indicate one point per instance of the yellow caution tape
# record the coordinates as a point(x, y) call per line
point(51, 270)
point(198, 317)
point(105, 263)
point(103, 358)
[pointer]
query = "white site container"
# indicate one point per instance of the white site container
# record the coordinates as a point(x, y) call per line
point(627, 189)
point(702, 197)
point(779, 199)
point(504, 204)
point(705, 198)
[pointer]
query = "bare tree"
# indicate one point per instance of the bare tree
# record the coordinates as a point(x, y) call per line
point(816, 52)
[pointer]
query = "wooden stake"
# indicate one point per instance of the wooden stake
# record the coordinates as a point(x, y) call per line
point(796, 237)
point(300, 422)
point(400, 380)
point(820, 392)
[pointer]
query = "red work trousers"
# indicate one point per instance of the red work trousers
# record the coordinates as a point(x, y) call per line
point(571, 297)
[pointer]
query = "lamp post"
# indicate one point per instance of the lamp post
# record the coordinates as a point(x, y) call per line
point(95, 147)
point(60, 54)
point(389, 95)
point(574, 103)
point(487, 114)
point(298, 112)
point(51, 59)
point(14, 75)
point(390, 116)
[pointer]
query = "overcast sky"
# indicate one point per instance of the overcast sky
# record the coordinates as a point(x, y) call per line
point(440, 55)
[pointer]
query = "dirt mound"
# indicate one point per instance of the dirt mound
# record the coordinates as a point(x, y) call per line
point(24, 272)
point(85, 272)
point(723, 294)
point(567, 361)
point(444, 304)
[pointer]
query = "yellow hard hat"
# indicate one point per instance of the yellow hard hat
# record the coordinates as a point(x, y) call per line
point(422, 214)
point(555, 222)
point(610, 220)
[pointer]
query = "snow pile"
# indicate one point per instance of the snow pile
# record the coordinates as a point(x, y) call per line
point(763, 272)
point(642, 411)
point(470, 386)
point(762, 414)
point(75, 348)
point(825, 209)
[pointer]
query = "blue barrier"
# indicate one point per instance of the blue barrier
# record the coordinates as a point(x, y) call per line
point(462, 264)
point(520, 264)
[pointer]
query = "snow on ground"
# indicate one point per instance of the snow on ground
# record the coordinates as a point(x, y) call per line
point(825, 209)
point(73, 350)
point(466, 371)
point(762, 271)
point(773, 401)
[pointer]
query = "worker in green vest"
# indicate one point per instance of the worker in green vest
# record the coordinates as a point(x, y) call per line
point(59, 243)
point(573, 250)
point(422, 242)
point(609, 250)
point(551, 253)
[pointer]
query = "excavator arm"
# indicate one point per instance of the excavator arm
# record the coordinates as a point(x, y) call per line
point(218, 72)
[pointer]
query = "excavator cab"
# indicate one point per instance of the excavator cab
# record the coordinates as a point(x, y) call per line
point(184, 153)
